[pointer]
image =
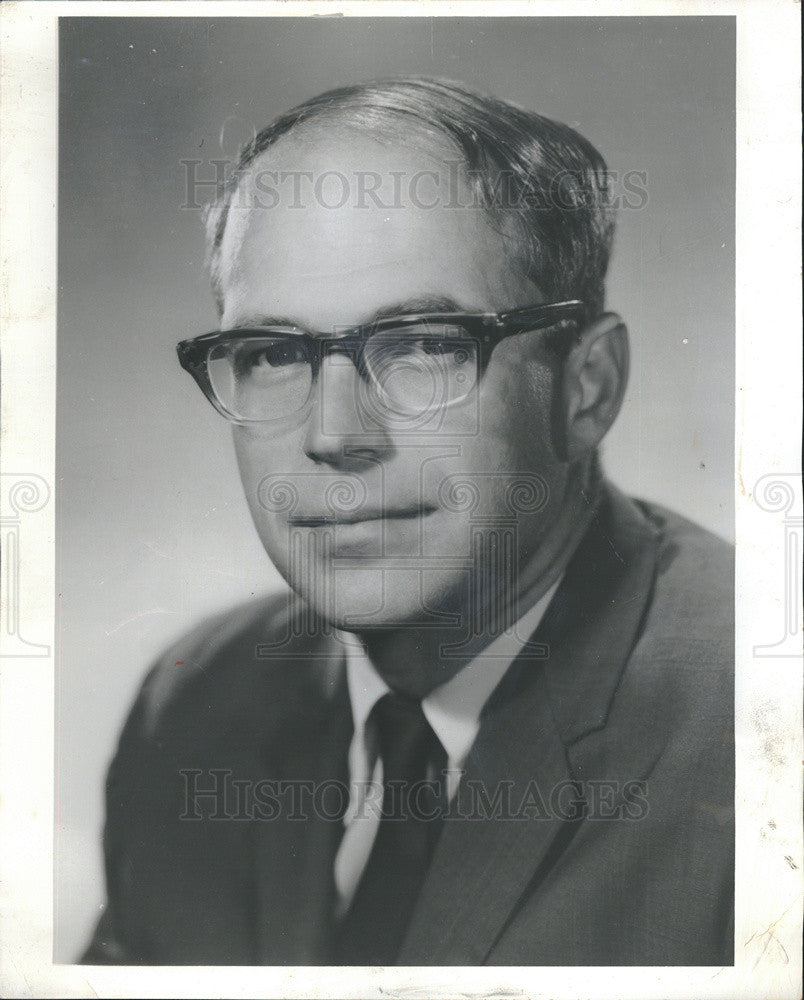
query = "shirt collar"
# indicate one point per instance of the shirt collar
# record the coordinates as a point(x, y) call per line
point(453, 709)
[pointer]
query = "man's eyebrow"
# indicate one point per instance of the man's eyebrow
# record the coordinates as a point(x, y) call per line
point(410, 307)
point(257, 321)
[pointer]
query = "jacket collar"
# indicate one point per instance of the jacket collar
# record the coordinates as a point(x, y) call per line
point(595, 618)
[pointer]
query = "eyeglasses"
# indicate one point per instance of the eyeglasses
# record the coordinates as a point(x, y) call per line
point(411, 364)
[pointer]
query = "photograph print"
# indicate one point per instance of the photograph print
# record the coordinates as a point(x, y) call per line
point(395, 521)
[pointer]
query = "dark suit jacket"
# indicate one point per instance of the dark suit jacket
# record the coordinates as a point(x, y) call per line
point(630, 865)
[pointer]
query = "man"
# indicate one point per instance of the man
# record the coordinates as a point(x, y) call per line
point(493, 725)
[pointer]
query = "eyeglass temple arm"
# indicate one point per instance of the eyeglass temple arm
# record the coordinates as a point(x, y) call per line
point(546, 315)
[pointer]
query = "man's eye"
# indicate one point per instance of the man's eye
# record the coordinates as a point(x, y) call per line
point(439, 347)
point(406, 343)
point(278, 355)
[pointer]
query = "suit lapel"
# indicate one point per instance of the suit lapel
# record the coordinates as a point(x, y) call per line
point(596, 616)
point(483, 867)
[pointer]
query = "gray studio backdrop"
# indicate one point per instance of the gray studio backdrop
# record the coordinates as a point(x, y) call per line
point(152, 530)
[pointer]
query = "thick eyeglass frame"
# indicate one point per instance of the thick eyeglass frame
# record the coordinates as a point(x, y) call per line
point(486, 329)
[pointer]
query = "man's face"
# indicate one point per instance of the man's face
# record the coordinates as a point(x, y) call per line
point(378, 519)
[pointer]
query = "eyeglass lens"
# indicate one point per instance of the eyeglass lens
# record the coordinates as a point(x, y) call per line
point(411, 369)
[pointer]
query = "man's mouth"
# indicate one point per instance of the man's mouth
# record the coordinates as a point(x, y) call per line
point(361, 517)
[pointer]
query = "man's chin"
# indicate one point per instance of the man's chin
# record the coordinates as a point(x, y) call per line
point(369, 600)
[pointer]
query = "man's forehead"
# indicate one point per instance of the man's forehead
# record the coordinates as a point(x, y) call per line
point(331, 186)
point(343, 213)
point(342, 146)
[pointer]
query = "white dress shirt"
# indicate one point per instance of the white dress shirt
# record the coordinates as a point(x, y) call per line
point(453, 710)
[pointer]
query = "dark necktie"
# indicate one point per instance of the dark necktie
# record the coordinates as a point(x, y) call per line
point(372, 930)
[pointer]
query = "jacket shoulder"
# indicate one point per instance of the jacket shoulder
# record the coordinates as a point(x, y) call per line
point(257, 654)
point(681, 672)
point(694, 586)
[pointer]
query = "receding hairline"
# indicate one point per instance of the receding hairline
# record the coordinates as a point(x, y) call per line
point(335, 129)
point(567, 249)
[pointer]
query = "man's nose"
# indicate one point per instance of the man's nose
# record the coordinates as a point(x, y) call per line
point(341, 431)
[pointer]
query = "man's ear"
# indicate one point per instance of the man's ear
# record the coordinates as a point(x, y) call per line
point(593, 385)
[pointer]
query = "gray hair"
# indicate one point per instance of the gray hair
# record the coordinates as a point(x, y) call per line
point(523, 168)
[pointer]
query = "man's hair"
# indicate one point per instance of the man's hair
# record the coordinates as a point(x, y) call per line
point(534, 176)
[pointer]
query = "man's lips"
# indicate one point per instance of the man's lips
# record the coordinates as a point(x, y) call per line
point(359, 517)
